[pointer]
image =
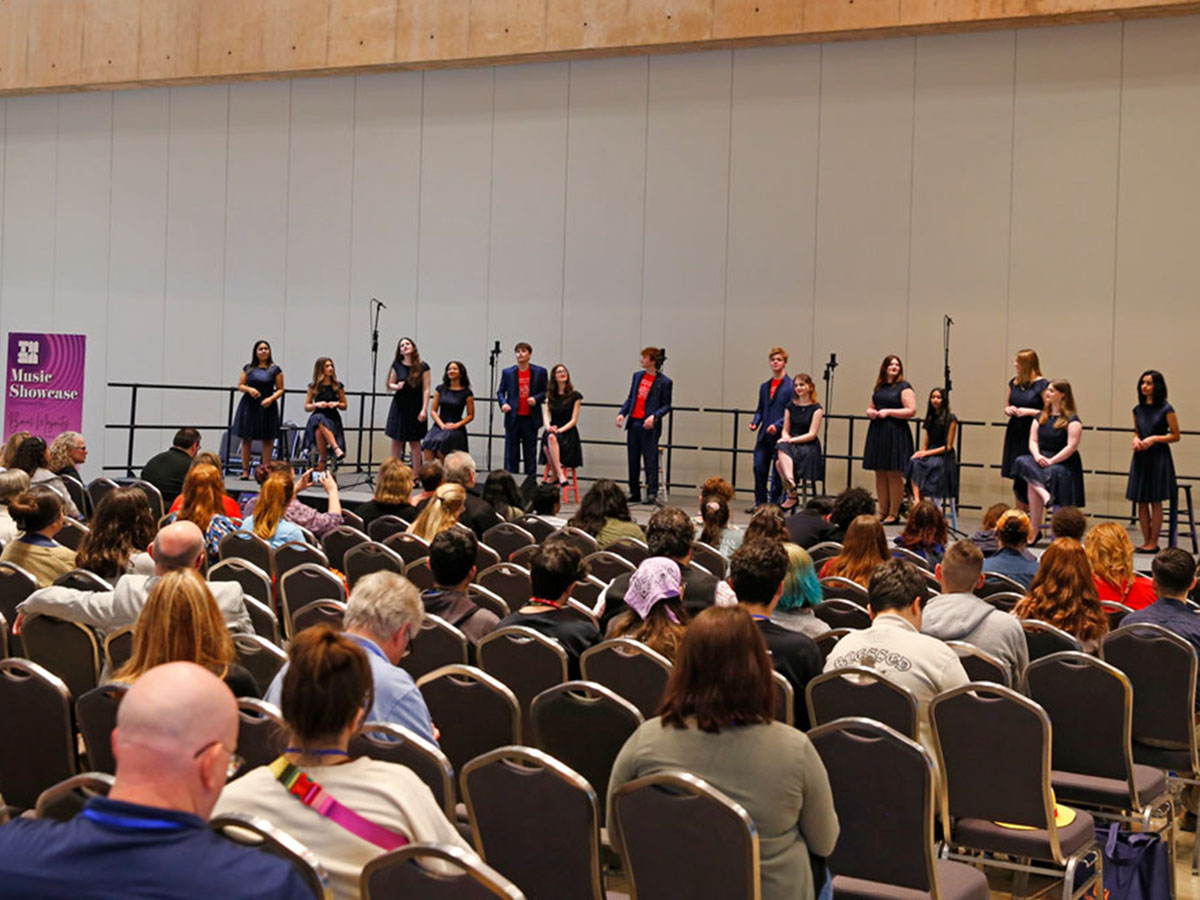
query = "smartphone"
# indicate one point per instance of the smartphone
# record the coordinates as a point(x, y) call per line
point(318, 477)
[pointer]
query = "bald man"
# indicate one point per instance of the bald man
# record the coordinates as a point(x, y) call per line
point(149, 838)
point(177, 546)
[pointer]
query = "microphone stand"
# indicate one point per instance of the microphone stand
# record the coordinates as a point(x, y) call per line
point(377, 306)
point(947, 322)
point(493, 356)
point(828, 379)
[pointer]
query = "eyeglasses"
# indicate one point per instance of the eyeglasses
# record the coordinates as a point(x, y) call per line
point(235, 761)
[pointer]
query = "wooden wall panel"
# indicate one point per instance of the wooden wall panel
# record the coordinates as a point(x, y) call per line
point(506, 26)
point(582, 24)
point(110, 41)
point(430, 30)
point(744, 18)
point(296, 36)
point(55, 43)
point(671, 21)
point(850, 15)
point(168, 39)
point(361, 32)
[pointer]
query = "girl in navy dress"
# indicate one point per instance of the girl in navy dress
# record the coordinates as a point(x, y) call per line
point(1023, 402)
point(798, 453)
point(889, 441)
point(407, 419)
point(453, 409)
point(1052, 471)
point(933, 469)
point(257, 417)
point(560, 414)
point(1152, 470)
point(325, 400)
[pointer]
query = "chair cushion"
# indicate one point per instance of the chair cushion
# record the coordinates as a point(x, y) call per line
point(1162, 757)
point(981, 834)
point(959, 881)
point(1071, 787)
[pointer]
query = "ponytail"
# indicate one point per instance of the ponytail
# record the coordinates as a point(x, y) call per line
point(714, 511)
point(328, 681)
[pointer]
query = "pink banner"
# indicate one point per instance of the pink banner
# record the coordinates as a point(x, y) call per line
point(45, 384)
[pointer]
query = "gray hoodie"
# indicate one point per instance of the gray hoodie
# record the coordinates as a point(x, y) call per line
point(965, 617)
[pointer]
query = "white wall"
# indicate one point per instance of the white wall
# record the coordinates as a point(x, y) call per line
point(1039, 186)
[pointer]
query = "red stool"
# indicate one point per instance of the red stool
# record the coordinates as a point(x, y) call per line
point(572, 484)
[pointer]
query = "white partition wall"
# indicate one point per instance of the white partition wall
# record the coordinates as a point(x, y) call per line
point(1037, 186)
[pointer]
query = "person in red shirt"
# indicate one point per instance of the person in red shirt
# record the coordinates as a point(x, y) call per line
point(521, 392)
point(774, 395)
point(1110, 551)
point(641, 416)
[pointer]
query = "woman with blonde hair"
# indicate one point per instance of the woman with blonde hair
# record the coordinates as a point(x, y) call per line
point(393, 493)
point(863, 550)
point(182, 623)
point(66, 453)
point(9, 451)
point(1110, 553)
point(325, 399)
point(203, 503)
point(267, 521)
point(441, 512)
point(1013, 532)
point(1022, 403)
point(12, 483)
point(1064, 594)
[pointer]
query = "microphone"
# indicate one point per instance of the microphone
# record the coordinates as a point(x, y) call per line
point(382, 305)
point(496, 347)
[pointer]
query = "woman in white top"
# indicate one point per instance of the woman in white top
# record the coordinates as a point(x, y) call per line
point(326, 688)
point(31, 458)
point(12, 483)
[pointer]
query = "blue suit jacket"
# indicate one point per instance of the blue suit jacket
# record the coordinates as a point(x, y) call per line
point(771, 409)
point(510, 392)
point(658, 401)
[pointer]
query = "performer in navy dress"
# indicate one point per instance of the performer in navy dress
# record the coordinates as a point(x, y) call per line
point(641, 416)
point(453, 409)
point(325, 399)
point(774, 395)
point(407, 419)
point(257, 416)
point(799, 456)
point(933, 469)
point(1052, 469)
point(522, 390)
point(560, 415)
point(1023, 402)
point(1152, 470)
point(889, 439)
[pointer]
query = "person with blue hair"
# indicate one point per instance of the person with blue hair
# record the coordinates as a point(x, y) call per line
point(801, 594)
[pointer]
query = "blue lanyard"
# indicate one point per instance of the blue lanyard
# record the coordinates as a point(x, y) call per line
point(133, 822)
point(761, 618)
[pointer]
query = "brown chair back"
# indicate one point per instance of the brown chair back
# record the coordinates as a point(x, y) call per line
point(384, 527)
point(437, 644)
point(629, 668)
point(474, 712)
point(507, 538)
point(250, 547)
point(509, 581)
point(856, 691)
point(406, 873)
point(45, 753)
point(96, 713)
point(392, 743)
point(262, 734)
point(69, 650)
point(524, 660)
point(255, 580)
point(338, 542)
point(367, 557)
point(838, 613)
point(411, 547)
point(606, 565)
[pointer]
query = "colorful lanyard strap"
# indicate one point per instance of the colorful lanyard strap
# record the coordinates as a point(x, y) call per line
point(313, 795)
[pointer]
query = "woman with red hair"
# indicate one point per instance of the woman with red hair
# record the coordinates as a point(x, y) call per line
point(1063, 593)
point(203, 502)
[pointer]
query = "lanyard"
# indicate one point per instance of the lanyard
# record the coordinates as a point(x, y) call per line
point(133, 822)
point(312, 795)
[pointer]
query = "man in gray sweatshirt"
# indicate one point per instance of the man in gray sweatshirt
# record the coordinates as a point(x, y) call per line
point(958, 615)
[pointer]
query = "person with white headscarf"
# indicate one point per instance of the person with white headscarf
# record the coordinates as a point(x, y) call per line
point(656, 616)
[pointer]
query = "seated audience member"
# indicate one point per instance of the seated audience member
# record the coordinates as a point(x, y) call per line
point(864, 548)
point(383, 617)
point(13, 483)
point(800, 596)
point(717, 486)
point(766, 524)
point(441, 513)
point(848, 506)
point(1012, 559)
point(717, 723)
point(654, 611)
point(430, 476)
point(547, 500)
point(300, 513)
point(31, 458)
point(452, 561)
point(985, 537)
point(810, 525)
point(924, 532)
point(181, 623)
point(325, 687)
point(229, 506)
point(1110, 552)
point(392, 494)
point(202, 504)
point(894, 645)
point(121, 530)
point(500, 492)
point(66, 453)
point(176, 730)
point(554, 569)
point(247, 499)
point(477, 514)
point(604, 514)
point(268, 521)
point(1063, 593)
point(669, 533)
point(1069, 522)
point(38, 513)
point(9, 451)
point(1174, 577)
point(716, 530)
point(957, 614)
point(756, 574)
point(177, 546)
point(167, 470)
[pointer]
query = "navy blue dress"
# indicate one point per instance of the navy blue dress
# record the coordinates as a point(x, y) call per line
point(808, 462)
point(570, 450)
point(936, 476)
point(1063, 480)
point(402, 421)
point(253, 422)
point(889, 441)
point(1152, 471)
point(1016, 433)
point(330, 418)
point(452, 406)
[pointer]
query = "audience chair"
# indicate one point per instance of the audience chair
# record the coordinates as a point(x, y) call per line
point(587, 594)
point(909, 556)
point(15, 585)
point(295, 553)
point(406, 873)
point(384, 527)
point(489, 600)
point(785, 699)
point(71, 535)
point(118, 648)
point(45, 753)
point(354, 520)
point(319, 612)
point(630, 549)
point(629, 668)
point(3, 641)
point(823, 551)
point(338, 542)
point(249, 547)
point(984, 782)
point(579, 610)
point(585, 542)
point(995, 583)
point(1044, 639)
point(64, 801)
point(883, 790)
point(99, 488)
point(837, 588)
point(392, 743)
point(82, 580)
point(606, 566)
point(437, 644)
point(474, 712)
point(96, 713)
point(838, 613)
point(252, 831)
point(1116, 613)
point(365, 558)
point(419, 573)
point(262, 734)
point(261, 658)
point(862, 692)
point(508, 581)
point(584, 725)
point(981, 665)
point(507, 538)
point(79, 495)
point(68, 649)
point(1005, 601)
point(264, 622)
point(524, 556)
point(710, 558)
point(309, 538)
point(524, 660)
point(827, 641)
point(515, 792)
point(536, 526)
point(154, 496)
point(305, 584)
point(254, 579)
point(662, 820)
point(485, 556)
point(410, 547)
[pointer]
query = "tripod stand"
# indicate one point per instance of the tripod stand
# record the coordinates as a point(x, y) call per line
point(376, 307)
point(493, 356)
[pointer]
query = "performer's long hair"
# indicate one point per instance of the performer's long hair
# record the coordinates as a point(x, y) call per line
point(882, 378)
point(1029, 369)
point(1066, 405)
point(414, 371)
point(319, 374)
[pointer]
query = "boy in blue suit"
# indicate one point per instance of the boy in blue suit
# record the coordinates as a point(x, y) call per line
point(774, 395)
point(521, 392)
point(641, 416)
